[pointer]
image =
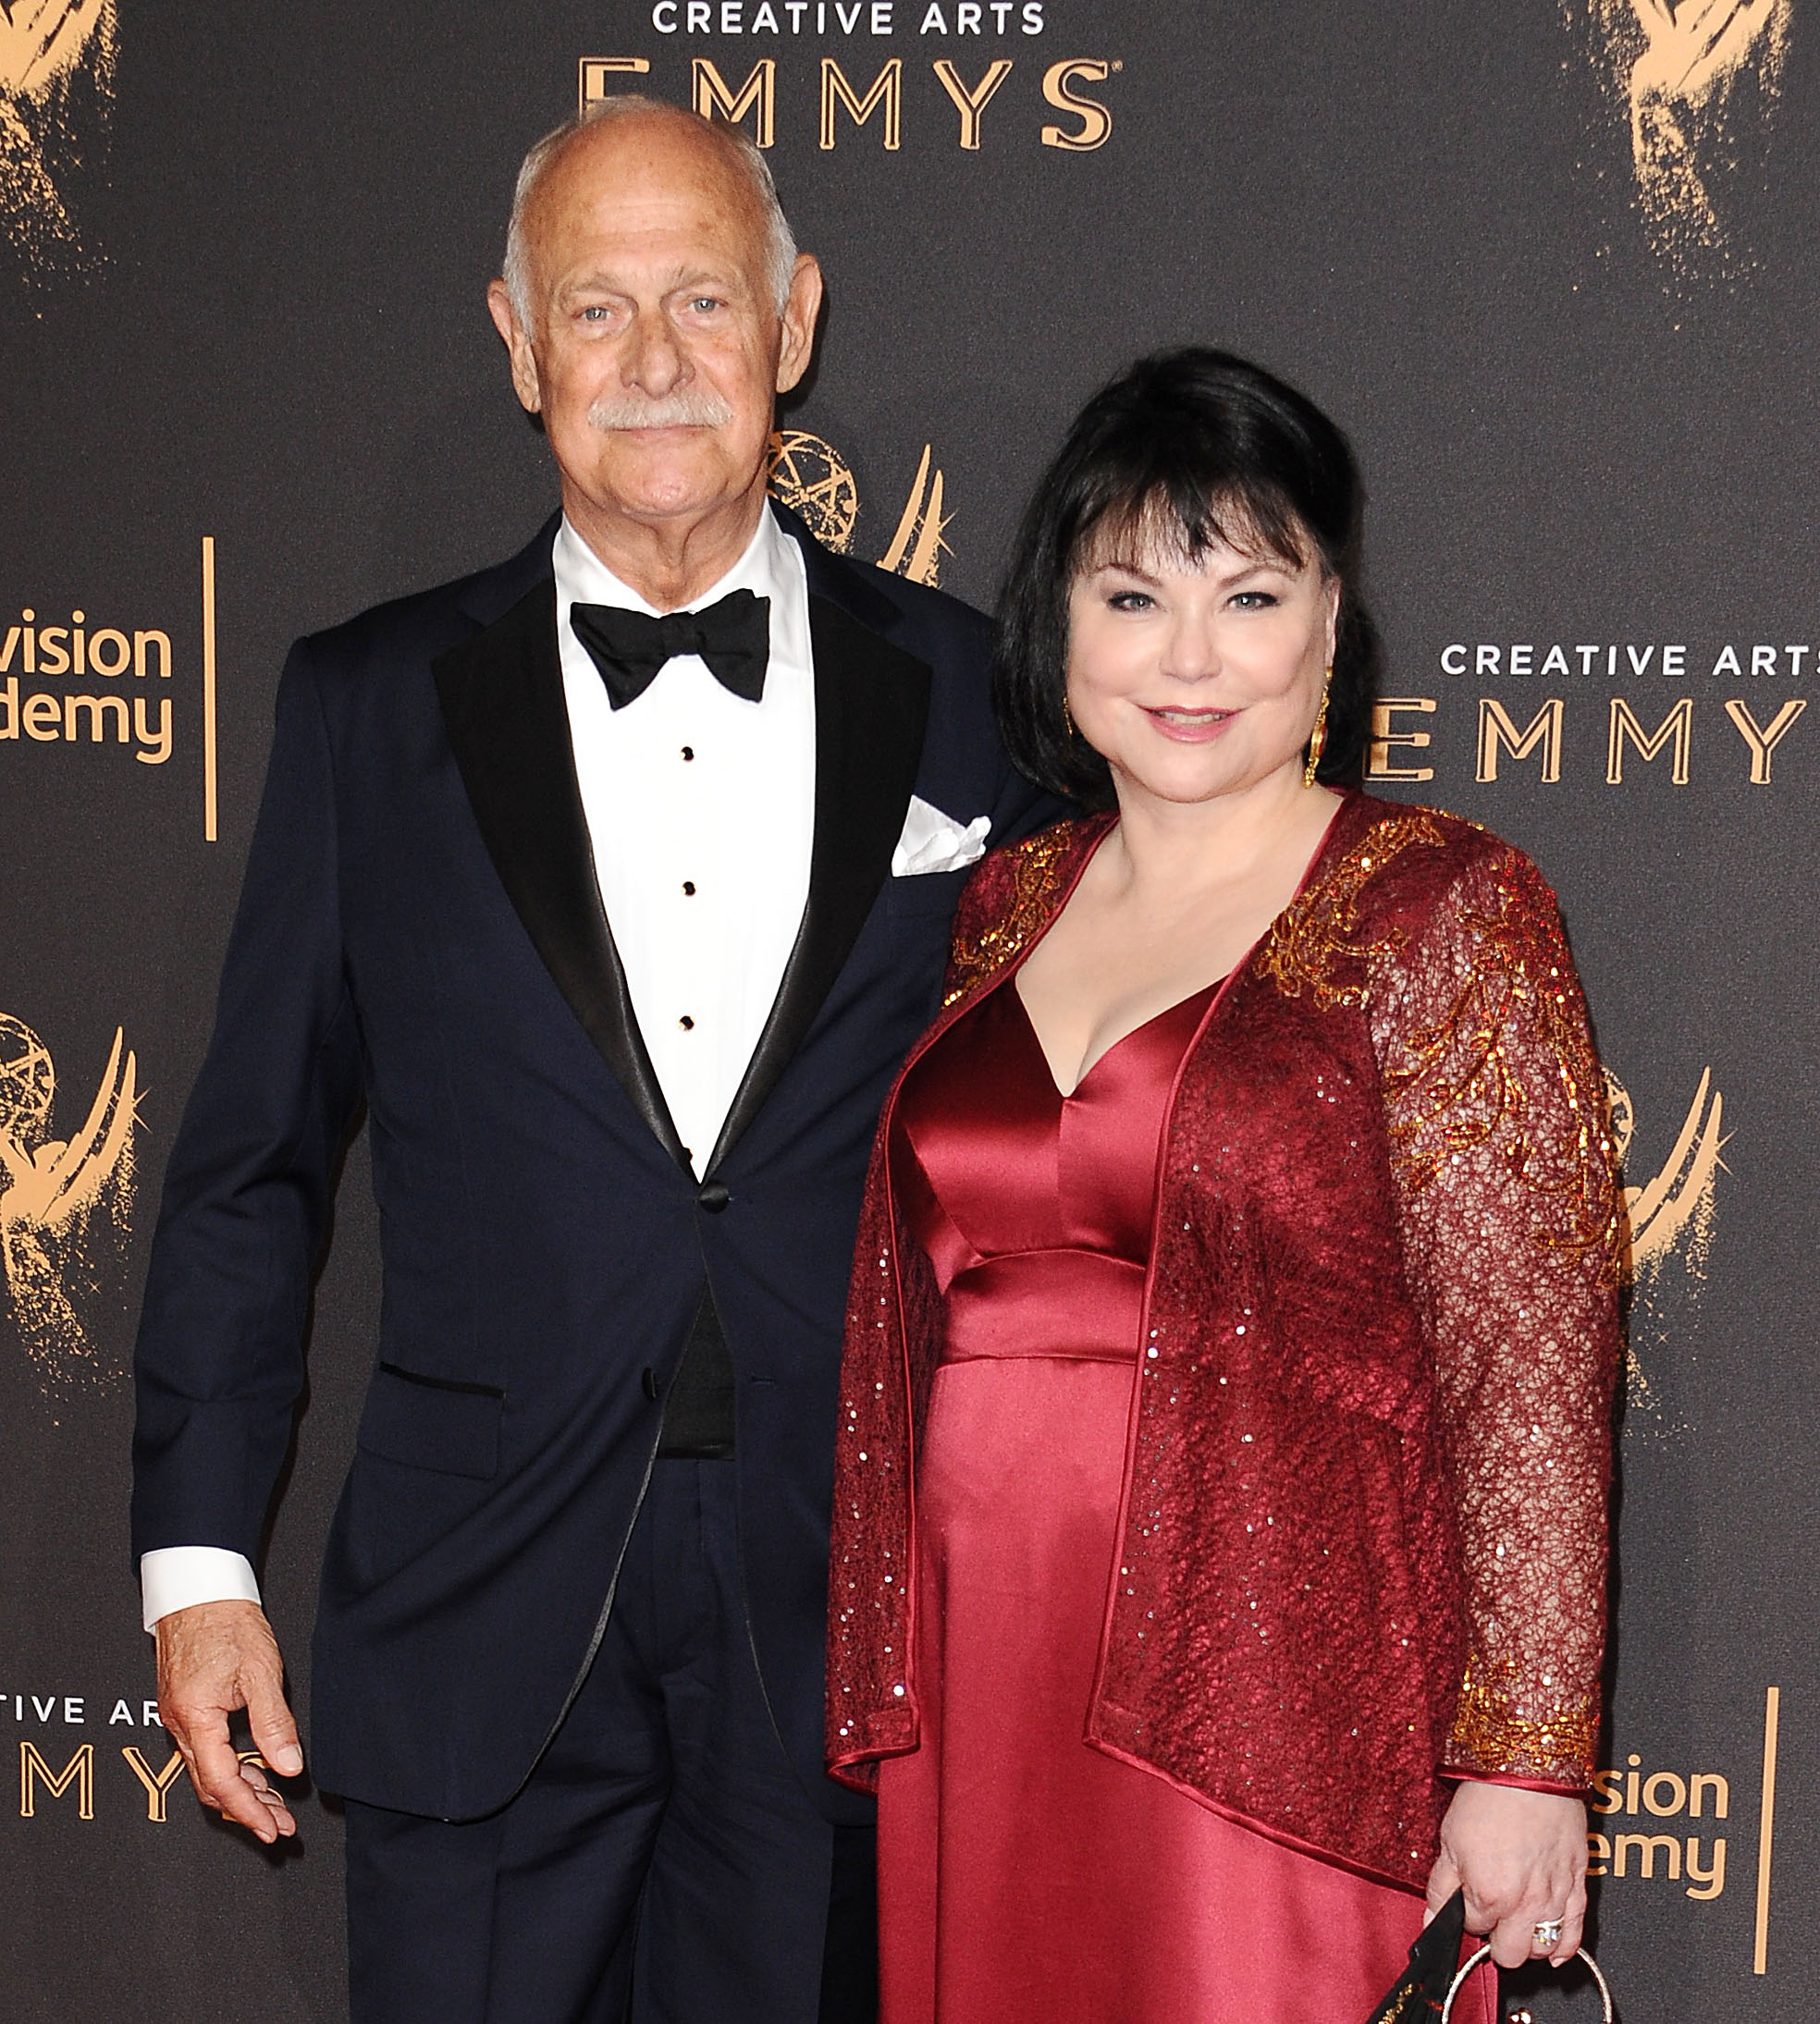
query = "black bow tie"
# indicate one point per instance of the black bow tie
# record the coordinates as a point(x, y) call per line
point(732, 636)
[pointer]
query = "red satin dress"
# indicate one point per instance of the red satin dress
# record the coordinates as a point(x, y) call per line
point(1025, 1878)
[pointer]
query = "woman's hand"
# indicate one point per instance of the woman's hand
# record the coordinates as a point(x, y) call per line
point(1521, 1857)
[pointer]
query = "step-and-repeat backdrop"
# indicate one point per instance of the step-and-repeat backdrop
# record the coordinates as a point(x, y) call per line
point(1552, 268)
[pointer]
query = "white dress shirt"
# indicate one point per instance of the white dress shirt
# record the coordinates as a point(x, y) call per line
point(700, 811)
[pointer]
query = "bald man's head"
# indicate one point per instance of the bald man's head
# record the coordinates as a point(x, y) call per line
point(654, 306)
point(618, 119)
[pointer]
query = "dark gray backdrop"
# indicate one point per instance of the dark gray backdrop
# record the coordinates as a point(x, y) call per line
point(1586, 410)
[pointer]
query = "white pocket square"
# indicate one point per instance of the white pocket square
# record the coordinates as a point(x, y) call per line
point(932, 841)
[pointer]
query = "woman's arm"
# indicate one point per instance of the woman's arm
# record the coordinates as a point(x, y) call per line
point(1513, 1231)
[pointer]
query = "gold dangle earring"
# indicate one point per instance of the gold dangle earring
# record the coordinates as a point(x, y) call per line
point(1318, 736)
point(1068, 715)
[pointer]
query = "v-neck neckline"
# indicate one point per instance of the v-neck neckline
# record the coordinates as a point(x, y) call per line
point(1068, 1096)
point(1309, 872)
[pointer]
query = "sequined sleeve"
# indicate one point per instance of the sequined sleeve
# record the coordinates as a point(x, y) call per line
point(1512, 1226)
point(892, 1337)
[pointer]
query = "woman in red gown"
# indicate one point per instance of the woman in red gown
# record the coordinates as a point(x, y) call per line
point(1220, 1484)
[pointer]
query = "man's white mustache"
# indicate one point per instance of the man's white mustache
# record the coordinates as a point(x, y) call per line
point(692, 407)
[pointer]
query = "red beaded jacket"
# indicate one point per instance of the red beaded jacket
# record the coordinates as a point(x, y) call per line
point(1364, 1518)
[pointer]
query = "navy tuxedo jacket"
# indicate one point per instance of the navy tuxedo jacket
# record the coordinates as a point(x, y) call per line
point(421, 930)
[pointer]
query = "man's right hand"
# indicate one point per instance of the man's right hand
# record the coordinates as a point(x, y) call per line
point(213, 1659)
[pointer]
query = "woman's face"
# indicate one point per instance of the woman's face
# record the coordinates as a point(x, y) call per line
point(1198, 678)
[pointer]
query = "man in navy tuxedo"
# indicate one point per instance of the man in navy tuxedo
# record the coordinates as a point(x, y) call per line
point(614, 882)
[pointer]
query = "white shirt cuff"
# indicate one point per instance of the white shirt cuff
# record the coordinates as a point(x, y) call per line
point(176, 1577)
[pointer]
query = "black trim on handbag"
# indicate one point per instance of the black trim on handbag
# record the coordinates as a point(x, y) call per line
point(1421, 1989)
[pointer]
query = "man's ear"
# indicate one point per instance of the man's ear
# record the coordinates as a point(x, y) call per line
point(800, 311)
point(518, 347)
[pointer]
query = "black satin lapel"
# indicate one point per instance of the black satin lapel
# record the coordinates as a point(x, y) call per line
point(872, 708)
point(501, 696)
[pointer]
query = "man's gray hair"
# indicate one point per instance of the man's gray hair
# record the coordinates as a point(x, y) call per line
point(743, 152)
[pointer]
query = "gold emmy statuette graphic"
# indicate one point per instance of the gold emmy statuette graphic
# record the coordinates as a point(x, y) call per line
point(813, 479)
point(1670, 1216)
point(47, 48)
point(52, 1190)
point(1702, 80)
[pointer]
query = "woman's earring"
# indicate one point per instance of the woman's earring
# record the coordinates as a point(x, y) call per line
point(1318, 736)
point(1068, 718)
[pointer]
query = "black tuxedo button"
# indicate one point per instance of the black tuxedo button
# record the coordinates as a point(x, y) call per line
point(713, 1195)
point(649, 1382)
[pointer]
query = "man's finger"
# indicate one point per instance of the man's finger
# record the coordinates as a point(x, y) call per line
point(215, 1658)
point(214, 1772)
point(273, 1727)
point(269, 1796)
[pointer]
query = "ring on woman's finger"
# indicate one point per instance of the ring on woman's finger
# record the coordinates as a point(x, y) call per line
point(1547, 1934)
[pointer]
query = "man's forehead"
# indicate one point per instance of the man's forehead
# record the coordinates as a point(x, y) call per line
point(651, 245)
point(640, 209)
point(599, 270)
point(647, 159)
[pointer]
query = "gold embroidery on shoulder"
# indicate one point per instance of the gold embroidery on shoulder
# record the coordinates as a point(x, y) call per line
point(1034, 877)
point(1312, 938)
point(1457, 1089)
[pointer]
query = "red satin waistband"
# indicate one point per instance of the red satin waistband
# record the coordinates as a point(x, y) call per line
point(1046, 1304)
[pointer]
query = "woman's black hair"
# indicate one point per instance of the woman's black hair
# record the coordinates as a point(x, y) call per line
point(1188, 447)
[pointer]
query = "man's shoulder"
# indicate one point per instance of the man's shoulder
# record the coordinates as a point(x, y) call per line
point(423, 624)
point(918, 602)
point(915, 616)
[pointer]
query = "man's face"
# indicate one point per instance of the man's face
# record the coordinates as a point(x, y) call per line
point(654, 347)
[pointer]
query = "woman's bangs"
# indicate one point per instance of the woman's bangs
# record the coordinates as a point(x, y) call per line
point(1171, 522)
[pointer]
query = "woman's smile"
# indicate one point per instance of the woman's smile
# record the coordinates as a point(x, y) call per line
point(1189, 727)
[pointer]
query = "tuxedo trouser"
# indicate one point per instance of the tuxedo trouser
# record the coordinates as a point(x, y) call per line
point(662, 1865)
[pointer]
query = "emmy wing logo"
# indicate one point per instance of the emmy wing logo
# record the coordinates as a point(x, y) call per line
point(812, 478)
point(1671, 1217)
point(49, 51)
point(54, 1192)
point(1701, 80)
